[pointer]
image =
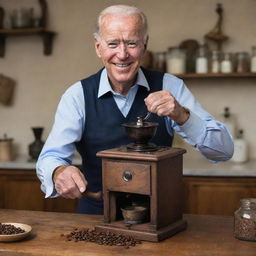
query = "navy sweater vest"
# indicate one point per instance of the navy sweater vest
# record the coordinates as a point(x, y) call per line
point(103, 129)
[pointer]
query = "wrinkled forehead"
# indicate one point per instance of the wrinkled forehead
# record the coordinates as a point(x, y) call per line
point(114, 23)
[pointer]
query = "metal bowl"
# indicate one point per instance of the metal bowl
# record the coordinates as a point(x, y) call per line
point(141, 134)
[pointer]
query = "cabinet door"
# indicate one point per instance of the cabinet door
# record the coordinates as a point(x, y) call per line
point(22, 191)
point(60, 204)
point(218, 196)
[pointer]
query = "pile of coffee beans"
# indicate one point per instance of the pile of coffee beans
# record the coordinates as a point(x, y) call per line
point(102, 238)
point(8, 229)
point(245, 229)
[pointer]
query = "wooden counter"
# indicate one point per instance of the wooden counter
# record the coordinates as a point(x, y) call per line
point(206, 235)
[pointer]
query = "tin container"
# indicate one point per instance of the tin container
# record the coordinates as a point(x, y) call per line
point(6, 149)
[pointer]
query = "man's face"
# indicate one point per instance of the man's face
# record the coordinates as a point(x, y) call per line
point(121, 48)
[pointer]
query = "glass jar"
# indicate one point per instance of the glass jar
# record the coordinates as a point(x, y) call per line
point(215, 62)
point(253, 59)
point(22, 18)
point(159, 61)
point(176, 60)
point(242, 62)
point(202, 60)
point(245, 220)
point(226, 65)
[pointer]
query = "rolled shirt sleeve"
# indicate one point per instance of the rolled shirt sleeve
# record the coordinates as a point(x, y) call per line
point(201, 130)
point(60, 144)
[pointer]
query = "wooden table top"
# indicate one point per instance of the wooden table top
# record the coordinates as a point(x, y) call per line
point(205, 235)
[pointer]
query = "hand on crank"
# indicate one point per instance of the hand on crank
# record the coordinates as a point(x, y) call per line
point(69, 182)
point(163, 103)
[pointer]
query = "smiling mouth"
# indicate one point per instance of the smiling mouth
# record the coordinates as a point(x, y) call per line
point(122, 65)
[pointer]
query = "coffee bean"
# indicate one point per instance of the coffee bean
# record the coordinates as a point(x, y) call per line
point(8, 229)
point(245, 229)
point(101, 238)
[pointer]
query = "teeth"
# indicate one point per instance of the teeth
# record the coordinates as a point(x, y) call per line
point(122, 65)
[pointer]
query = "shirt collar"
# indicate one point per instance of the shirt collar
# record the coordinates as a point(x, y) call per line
point(105, 86)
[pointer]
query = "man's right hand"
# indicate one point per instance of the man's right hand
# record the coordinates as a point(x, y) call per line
point(69, 181)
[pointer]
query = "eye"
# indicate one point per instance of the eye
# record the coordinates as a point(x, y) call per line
point(132, 44)
point(112, 45)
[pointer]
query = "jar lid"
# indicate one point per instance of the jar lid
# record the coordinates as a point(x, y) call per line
point(248, 202)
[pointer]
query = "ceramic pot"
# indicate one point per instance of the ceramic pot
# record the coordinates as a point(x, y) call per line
point(36, 146)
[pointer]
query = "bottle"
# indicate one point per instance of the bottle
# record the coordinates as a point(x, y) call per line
point(229, 121)
point(242, 62)
point(202, 60)
point(240, 149)
point(245, 220)
point(176, 60)
point(253, 59)
point(215, 62)
point(226, 65)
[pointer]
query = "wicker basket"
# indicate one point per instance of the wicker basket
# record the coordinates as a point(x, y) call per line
point(6, 89)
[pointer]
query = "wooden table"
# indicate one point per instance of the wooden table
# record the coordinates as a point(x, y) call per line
point(206, 235)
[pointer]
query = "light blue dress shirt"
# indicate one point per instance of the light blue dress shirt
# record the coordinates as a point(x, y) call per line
point(201, 130)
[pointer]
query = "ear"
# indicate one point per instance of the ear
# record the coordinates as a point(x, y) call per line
point(97, 46)
point(146, 44)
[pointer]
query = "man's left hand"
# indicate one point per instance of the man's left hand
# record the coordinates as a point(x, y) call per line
point(163, 103)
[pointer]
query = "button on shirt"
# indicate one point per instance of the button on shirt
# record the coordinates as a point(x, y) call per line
point(201, 130)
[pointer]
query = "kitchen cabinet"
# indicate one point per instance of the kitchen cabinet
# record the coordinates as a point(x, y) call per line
point(216, 195)
point(20, 189)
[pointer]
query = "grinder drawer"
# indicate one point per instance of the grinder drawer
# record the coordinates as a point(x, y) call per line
point(127, 177)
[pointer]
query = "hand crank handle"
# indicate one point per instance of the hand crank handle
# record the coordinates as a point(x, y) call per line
point(95, 195)
point(146, 117)
point(141, 119)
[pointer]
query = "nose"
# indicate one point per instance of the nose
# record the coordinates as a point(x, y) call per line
point(122, 51)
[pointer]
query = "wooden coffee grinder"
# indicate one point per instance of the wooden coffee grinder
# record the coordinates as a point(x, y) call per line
point(142, 186)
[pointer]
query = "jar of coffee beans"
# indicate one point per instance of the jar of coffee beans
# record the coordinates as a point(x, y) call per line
point(245, 220)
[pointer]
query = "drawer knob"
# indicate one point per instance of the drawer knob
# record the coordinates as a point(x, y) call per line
point(127, 176)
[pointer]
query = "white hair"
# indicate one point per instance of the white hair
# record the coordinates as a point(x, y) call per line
point(123, 10)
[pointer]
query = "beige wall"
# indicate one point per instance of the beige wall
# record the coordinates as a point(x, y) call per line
point(42, 79)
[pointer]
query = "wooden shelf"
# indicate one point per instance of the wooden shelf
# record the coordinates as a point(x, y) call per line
point(47, 37)
point(217, 75)
point(21, 31)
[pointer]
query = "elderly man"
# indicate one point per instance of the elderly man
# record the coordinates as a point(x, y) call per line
point(91, 111)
